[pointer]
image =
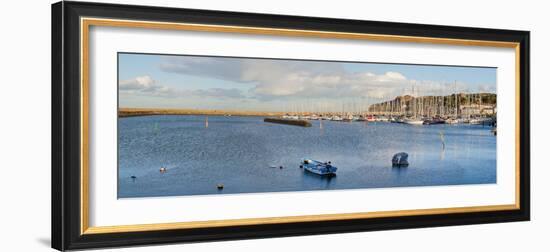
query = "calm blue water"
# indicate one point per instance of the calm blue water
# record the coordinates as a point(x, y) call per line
point(240, 151)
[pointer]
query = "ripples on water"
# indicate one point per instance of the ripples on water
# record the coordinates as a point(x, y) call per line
point(240, 152)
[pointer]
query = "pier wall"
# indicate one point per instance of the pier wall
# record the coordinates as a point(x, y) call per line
point(302, 123)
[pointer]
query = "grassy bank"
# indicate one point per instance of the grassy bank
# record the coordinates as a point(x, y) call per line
point(129, 112)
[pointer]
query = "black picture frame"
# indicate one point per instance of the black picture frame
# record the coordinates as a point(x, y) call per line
point(66, 134)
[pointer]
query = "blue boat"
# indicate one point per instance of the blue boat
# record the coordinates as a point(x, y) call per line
point(317, 167)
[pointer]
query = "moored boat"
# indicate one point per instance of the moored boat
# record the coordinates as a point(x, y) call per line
point(382, 119)
point(317, 167)
point(336, 118)
point(452, 121)
point(413, 121)
point(371, 118)
point(434, 121)
point(481, 121)
point(348, 118)
point(400, 159)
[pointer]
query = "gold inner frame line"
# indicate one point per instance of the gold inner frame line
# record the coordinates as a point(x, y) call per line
point(86, 23)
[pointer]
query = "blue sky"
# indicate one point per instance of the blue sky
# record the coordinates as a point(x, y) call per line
point(169, 81)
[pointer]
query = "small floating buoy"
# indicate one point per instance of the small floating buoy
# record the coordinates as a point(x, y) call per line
point(133, 178)
point(162, 169)
point(281, 167)
point(301, 166)
point(220, 186)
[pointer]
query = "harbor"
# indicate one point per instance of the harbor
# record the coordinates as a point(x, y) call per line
point(244, 154)
point(464, 108)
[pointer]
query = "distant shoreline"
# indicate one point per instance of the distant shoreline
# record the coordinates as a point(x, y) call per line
point(132, 112)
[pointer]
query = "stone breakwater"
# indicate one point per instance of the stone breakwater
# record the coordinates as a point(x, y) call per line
point(302, 123)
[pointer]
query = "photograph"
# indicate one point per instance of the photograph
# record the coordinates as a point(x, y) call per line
point(202, 124)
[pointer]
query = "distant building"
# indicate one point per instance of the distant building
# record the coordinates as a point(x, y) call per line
point(478, 110)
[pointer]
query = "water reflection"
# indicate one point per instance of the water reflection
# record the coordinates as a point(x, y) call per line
point(399, 170)
point(322, 181)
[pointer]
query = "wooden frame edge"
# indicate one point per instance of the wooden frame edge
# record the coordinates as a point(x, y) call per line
point(289, 219)
point(86, 22)
point(290, 32)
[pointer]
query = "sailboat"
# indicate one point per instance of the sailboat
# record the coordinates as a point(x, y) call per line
point(414, 120)
point(206, 122)
point(454, 120)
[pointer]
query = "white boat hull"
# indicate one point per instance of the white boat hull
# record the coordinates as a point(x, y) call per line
point(414, 122)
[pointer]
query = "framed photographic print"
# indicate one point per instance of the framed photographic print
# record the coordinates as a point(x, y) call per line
point(181, 125)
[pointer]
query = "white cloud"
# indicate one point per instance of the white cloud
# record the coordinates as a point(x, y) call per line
point(137, 83)
point(303, 81)
point(284, 79)
point(147, 86)
point(144, 85)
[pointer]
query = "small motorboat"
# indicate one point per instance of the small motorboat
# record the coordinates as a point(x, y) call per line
point(317, 167)
point(400, 159)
